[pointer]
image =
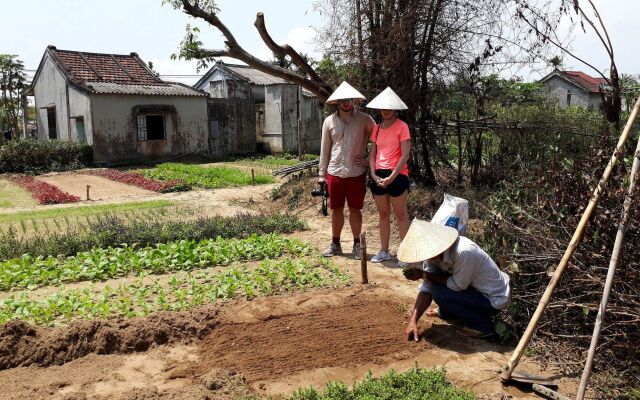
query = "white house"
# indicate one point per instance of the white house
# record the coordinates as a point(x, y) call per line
point(117, 104)
point(574, 88)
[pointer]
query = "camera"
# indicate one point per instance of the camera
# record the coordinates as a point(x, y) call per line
point(321, 190)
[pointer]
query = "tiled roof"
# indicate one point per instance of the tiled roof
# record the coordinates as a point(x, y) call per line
point(112, 74)
point(164, 89)
point(84, 67)
point(255, 76)
point(589, 82)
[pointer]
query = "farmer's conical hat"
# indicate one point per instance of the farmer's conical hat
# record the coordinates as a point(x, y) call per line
point(344, 91)
point(387, 100)
point(425, 240)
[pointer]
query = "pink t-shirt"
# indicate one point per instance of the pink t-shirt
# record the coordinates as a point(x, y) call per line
point(388, 141)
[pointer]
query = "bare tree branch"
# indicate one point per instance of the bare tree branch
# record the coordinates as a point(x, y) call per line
point(317, 86)
point(284, 50)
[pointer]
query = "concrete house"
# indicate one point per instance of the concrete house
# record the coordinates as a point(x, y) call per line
point(117, 104)
point(282, 115)
point(574, 88)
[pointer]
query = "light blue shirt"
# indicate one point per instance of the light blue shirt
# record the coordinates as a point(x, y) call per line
point(469, 265)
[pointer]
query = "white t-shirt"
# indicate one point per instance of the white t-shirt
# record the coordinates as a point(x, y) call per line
point(469, 265)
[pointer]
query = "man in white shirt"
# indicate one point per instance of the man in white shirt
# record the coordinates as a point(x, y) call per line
point(458, 276)
point(343, 163)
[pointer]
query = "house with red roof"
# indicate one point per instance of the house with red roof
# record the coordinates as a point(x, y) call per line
point(574, 88)
point(118, 105)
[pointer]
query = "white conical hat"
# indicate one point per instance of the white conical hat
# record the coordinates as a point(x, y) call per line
point(344, 91)
point(425, 240)
point(387, 100)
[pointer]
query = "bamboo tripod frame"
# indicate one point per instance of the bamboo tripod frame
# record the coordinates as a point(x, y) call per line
point(613, 263)
point(571, 248)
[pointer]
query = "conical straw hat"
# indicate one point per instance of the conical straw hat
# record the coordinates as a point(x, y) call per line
point(425, 240)
point(387, 100)
point(344, 91)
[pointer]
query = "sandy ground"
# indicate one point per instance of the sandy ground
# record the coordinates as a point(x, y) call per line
point(270, 345)
point(100, 189)
point(224, 202)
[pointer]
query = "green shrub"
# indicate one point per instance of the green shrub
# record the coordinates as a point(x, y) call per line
point(114, 231)
point(29, 156)
point(413, 384)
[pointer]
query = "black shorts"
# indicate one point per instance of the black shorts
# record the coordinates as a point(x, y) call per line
point(395, 189)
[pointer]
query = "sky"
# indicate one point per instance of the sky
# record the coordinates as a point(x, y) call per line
point(155, 31)
point(147, 27)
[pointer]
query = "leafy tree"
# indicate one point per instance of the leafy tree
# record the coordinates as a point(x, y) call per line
point(12, 82)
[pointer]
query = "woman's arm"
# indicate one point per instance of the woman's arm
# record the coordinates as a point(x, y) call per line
point(405, 150)
point(372, 162)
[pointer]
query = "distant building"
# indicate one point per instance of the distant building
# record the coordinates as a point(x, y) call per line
point(117, 104)
point(574, 88)
point(277, 111)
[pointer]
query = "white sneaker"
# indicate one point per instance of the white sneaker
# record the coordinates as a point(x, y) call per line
point(380, 257)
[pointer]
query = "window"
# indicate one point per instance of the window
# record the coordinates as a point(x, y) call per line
point(51, 123)
point(151, 127)
point(568, 98)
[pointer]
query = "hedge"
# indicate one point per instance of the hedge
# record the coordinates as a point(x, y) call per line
point(30, 156)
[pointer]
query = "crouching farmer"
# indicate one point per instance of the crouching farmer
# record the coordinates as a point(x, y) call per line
point(457, 275)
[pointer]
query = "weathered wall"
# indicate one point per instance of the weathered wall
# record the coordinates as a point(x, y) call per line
point(311, 123)
point(289, 109)
point(80, 106)
point(557, 88)
point(51, 90)
point(280, 132)
point(271, 139)
point(115, 132)
point(232, 126)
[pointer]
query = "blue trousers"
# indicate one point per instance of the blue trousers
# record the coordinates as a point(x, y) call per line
point(467, 306)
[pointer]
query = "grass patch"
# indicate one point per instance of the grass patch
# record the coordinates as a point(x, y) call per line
point(79, 211)
point(413, 384)
point(14, 196)
point(204, 177)
point(113, 231)
point(181, 291)
point(272, 162)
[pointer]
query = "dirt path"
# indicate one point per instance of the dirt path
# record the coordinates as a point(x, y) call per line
point(101, 189)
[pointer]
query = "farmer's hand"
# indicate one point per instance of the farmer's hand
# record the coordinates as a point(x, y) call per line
point(361, 161)
point(411, 331)
point(322, 179)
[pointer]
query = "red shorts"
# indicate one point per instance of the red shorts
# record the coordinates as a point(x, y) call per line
point(352, 190)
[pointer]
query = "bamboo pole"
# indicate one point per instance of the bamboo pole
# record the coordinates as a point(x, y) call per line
point(613, 263)
point(571, 248)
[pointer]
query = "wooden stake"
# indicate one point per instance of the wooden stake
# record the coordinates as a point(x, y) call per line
point(363, 258)
point(253, 177)
point(88, 186)
point(571, 248)
point(613, 263)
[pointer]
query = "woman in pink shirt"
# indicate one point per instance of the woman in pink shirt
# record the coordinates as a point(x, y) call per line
point(389, 185)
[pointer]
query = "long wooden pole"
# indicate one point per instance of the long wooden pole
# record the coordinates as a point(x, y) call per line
point(573, 244)
point(363, 258)
point(613, 263)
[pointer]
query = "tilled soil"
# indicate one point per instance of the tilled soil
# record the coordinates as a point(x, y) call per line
point(22, 344)
point(363, 329)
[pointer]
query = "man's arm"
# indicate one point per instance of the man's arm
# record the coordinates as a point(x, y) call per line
point(422, 303)
point(439, 279)
point(325, 152)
